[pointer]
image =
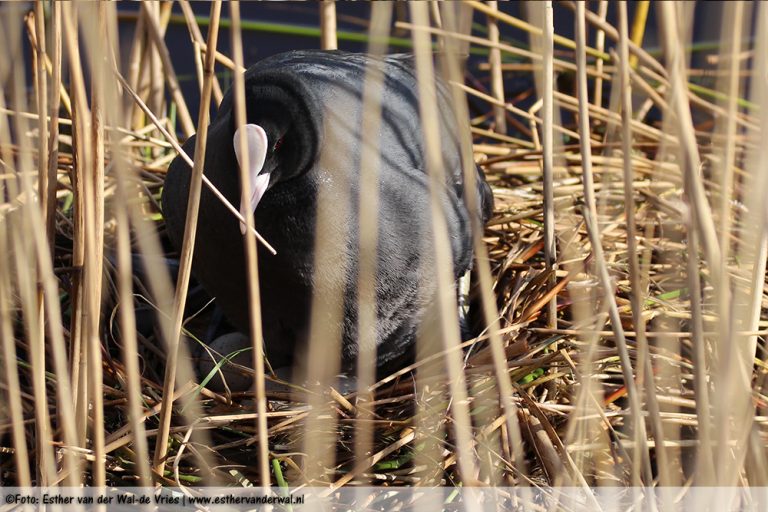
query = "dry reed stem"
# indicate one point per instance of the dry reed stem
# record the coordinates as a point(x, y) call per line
point(512, 440)
point(750, 254)
point(732, 27)
point(637, 296)
point(611, 32)
point(251, 254)
point(190, 229)
point(40, 55)
point(80, 135)
point(32, 32)
point(95, 28)
point(199, 41)
point(602, 11)
point(134, 67)
point(531, 29)
point(445, 296)
point(53, 140)
point(559, 63)
point(494, 61)
point(548, 139)
point(15, 409)
point(370, 160)
point(153, 30)
point(31, 255)
point(640, 458)
point(328, 39)
point(114, 116)
point(128, 325)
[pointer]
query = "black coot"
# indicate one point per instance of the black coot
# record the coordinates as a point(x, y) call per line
point(302, 105)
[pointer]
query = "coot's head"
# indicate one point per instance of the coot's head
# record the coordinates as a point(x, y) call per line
point(282, 132)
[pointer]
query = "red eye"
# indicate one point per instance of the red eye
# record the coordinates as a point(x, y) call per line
point(277, 144)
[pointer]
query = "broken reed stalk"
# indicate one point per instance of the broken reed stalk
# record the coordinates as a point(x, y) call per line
point(445, 295)
point(185, 260)
point(153, 76)
point(251, 254)
point(641, 456)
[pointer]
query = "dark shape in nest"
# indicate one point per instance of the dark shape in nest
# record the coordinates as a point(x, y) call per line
point(304, 114)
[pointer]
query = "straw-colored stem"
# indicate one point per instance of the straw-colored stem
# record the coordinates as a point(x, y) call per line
point(199, 40)
point(154, 74)
point(41, 90)
point(531, 29)
point(53, 140)
point(381, 16)
point(590, 216)
point(602, 11)
point(735, 392)
point(611, 32)
point(94, 255)
point(153, 30)
point(128, 324)
point(560, 64)
point(494, 60)
point(251, 254)
point(445, 295)
point(134, 69)
point(185, 260)
point(705, 470)
point(548, 140)
point(81, 135)
point(729, 63)
point(482, 267)
point(638, 27)
point(28, 259)
point(328, 39)
point(24, 267)
point(12, 396)
point(637, 299)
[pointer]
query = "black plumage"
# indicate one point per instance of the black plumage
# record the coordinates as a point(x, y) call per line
point(304, 114)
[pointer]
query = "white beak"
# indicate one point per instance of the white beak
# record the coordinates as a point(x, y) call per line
point(256, 145)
